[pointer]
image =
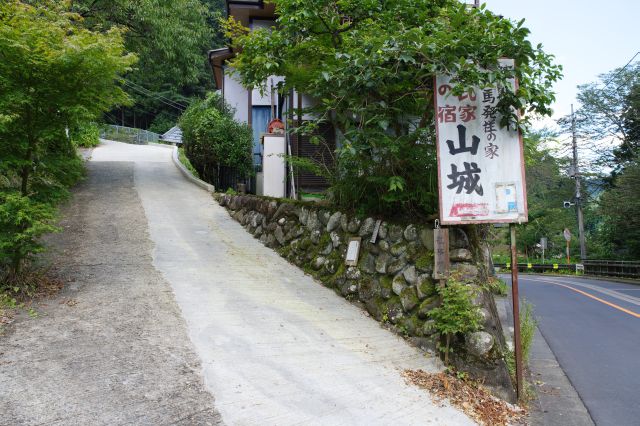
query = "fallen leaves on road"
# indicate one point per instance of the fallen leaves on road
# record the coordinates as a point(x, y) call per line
point(23, 292)
point(469, 396)
point(6, 317)
point(47, 286)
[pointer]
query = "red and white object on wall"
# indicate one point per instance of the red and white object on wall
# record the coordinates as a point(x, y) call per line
point(276, 127)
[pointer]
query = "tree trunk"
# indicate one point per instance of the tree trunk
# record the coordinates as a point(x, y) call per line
point(16, 264)
point(26, 169)
point(25, 180)
point(446, 350)
point(24, 191)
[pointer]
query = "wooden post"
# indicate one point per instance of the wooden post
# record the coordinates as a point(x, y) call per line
point(441, 270)
point(517, 344)
point(441, 255)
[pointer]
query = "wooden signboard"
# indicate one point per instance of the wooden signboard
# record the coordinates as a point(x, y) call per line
point(441, 253)
point(480, 164)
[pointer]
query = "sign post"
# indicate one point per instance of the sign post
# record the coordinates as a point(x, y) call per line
point(481, 175)
point(517, 344)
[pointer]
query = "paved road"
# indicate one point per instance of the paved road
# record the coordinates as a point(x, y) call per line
point(275, 347)
point(593, 328)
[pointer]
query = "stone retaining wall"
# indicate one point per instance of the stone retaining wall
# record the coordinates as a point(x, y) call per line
point(393, 277)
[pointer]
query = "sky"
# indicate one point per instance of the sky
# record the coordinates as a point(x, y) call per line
point(587, 37)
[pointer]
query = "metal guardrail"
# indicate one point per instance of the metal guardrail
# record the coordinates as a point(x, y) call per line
point(128, 134)
point(612, 268)
point(537, 267)
point(608, 268)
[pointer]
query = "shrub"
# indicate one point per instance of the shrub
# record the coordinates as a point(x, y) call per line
point(86, 135)
point(162, 123)
point(213, 139)
point(456, 315)
point(527, 328)
point(22, 222)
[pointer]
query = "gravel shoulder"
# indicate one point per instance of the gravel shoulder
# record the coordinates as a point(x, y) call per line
point(112, 347)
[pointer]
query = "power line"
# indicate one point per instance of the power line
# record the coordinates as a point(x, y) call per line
point(146, 92)
point(155, 97)
point(620, 71)
point(112, 118)
point(131, 83)
point(154, 111)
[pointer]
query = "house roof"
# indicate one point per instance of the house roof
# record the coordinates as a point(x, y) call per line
point(243, 11)
point(216, 60)
point(248, 4)
point(173, 135)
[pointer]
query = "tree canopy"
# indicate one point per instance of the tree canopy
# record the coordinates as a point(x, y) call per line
point(619, 207)
point(608, 118)
point(171, 38)
point(54, 75)
point(608, 131)
point(548, 187)
point(370, 65)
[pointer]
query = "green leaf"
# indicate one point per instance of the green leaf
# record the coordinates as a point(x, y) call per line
point(396, 183)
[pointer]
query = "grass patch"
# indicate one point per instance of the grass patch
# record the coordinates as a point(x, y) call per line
point(496, 286)
point(527, 330)
point(312, 196)
point(185, 162)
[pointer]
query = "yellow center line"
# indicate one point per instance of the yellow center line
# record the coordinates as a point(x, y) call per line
point(584, 293)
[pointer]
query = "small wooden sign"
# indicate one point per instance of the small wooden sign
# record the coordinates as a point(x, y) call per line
point(353, 251)
point(441, 253)
point(376, 229)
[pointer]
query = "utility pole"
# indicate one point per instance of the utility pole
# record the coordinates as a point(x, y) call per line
point(576, 177)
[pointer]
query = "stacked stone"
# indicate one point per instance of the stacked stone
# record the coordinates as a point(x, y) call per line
point(393, 277)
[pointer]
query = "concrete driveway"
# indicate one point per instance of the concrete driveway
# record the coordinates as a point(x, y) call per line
point(275, 347)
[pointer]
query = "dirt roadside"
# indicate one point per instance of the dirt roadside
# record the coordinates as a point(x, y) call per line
point(112, 347)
